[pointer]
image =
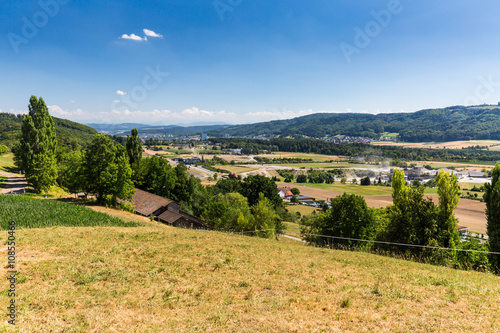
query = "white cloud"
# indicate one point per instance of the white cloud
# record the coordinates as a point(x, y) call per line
point(119, 92)
point(133, 37)
point(151, 33)
point(168, 117)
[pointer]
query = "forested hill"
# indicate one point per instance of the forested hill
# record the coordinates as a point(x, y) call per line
point(68, 133)
point(451, 123)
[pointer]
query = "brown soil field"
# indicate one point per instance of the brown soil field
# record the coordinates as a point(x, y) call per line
point(441, 145)
point(470, 213)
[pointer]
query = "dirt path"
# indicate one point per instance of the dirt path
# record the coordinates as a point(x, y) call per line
point(15, 182)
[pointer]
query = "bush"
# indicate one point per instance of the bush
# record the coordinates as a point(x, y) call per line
point(301, 179)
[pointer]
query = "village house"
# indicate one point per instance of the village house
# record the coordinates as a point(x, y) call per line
point(285, 192)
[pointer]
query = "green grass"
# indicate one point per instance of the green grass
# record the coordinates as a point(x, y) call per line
point(303, 210)
point(292, 228)
point(30, 212)
point(390, 135)
point(352, 189)
point(3, 180)
point(326, 165)
point(6, 162)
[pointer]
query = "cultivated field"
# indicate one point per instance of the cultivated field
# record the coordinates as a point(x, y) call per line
point(162, 279)
point(29, 212)
point(441, 145)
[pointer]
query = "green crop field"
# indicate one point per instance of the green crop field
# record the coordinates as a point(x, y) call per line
point(351, 188)
point(30, 212)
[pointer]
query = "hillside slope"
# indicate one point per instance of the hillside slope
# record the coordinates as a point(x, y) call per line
point(68, 132)
point(163, 279)
point(452, 123)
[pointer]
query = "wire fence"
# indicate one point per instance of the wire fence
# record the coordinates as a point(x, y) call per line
point(377, 242)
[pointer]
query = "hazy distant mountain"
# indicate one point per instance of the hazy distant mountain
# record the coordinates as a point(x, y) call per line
point(175, 130)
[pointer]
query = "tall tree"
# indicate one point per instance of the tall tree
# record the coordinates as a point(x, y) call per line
point(448, 201)
point(35, 155)
point(492, 199)
point(134, 150)
point(106, 169)
point(413, 219)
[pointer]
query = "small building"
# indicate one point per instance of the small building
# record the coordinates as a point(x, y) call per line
point(476, 174)
point(165, 210)
point(304, 198)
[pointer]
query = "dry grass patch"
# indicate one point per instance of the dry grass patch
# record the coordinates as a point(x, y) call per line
point(160, 279)
point(235, 168)
point(303, 210)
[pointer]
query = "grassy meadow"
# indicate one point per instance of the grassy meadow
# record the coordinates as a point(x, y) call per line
point(30, 212)
point(163, 279)
point(6, 161)
point(350, 188)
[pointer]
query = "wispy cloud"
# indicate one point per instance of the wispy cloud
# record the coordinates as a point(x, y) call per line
point(151, 33)
point(133, 37)
point(121, 93)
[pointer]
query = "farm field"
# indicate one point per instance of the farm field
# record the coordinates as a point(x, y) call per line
point(235, 168)
point(341, 188)
point(159, 279)
point(458, 165)
point(325, 165)
point(441, 145)
point(314, 157)
point(303, 210)
point(30, 212)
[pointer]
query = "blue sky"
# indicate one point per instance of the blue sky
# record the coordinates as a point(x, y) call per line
point(242, 61)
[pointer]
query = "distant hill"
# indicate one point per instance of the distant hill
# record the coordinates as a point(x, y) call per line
point(451, 123)
point(175, 130)
point(68, 132)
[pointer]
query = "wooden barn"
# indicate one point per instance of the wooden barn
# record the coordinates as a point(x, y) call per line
point(165, 210)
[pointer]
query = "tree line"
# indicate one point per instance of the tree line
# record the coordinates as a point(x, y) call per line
point(368, 153)
point(412, 219)
point(447, 124)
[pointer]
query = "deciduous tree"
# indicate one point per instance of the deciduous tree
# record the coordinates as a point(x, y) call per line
point(492, 199)
point(448, 201)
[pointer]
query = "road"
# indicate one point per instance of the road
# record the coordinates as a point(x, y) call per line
point(15, 182)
